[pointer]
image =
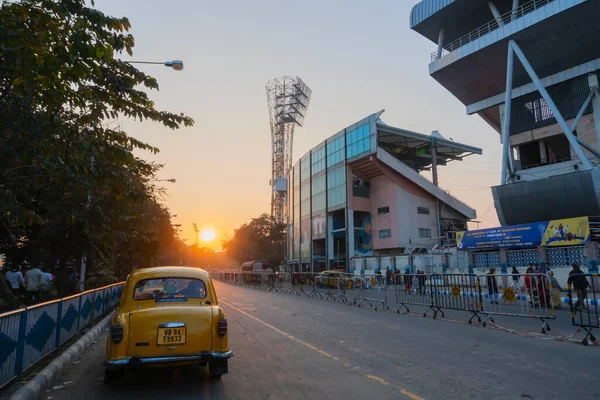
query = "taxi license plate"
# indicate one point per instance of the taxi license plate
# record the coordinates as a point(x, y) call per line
point(171, 336)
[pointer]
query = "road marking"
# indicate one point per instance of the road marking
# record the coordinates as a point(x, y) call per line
point(310, 346)
point(400, 389)
point(324, 353)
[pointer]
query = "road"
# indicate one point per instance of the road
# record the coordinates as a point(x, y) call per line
point(290, 347)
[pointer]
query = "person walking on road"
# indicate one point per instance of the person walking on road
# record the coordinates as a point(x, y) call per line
point(492, 284)
point(35, 281)
point(516, 279)
point(555, 290)
point(15, 279)
point(580, 284)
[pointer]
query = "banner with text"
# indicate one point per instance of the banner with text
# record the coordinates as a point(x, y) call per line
point(562, 232)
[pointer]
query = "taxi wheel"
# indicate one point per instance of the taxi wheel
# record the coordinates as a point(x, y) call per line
point(216, 369)
point(112, 377)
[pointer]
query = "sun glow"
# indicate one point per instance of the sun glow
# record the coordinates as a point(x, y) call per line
point(208, 235)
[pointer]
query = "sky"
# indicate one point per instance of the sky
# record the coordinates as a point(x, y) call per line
point(358, 57)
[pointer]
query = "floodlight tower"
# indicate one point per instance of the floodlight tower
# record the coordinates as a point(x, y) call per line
point(288, 100)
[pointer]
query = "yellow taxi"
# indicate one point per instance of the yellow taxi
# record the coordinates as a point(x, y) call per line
point(332, 279)
point(168, 316)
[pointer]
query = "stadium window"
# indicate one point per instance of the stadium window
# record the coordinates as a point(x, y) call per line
point(425, 233)
point(383, 210)
point(423, 210)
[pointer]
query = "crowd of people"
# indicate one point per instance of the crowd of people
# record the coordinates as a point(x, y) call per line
point(30, 284)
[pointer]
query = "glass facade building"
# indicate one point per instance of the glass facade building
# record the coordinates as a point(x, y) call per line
point(319, 187)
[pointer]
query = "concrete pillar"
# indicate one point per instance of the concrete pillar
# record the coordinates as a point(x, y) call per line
point(515, 7)
point(349, 238)
point(471, 262)
point(592, 256)
point(440, 43)
point(330, 251)
point(542, 259)
point(593, 82)
point(504, 267)
point(543, 152)
point(495, 13)
point(591, 253)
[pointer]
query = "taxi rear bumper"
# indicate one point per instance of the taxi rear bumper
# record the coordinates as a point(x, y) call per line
point(141, 361)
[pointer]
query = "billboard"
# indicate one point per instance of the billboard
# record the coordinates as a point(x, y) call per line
point(561, 232)
point(318, 226)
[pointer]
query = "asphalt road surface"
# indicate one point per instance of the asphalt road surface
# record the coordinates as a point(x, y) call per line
point(290, 347)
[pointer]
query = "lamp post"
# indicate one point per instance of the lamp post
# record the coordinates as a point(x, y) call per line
point(177, 65)
point(172, 180)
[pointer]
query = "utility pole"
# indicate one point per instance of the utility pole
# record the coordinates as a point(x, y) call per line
point(196, 230)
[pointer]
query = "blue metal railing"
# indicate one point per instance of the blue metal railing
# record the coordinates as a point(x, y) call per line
point(29, 334)
point(494, 24)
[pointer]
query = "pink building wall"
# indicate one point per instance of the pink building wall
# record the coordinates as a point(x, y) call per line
point(385, 191)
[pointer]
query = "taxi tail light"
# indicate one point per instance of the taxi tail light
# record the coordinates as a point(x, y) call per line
point(222, 328)
point(116, 333)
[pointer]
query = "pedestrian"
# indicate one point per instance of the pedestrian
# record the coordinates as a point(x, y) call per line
point(580, 284)
point(415, 282)
point(48, 276)
point(34, 282)
point(516, 279)
point(388, 276)
point(492, 284)
point(543, 288)
point(555, 289)
point(422, 279)
point(530, 286)
point(407, 280)
point(15, 280)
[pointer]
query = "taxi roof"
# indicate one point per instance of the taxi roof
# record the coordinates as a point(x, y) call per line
point(171, 272)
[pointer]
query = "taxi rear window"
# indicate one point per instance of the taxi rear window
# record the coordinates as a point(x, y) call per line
point(169, 289)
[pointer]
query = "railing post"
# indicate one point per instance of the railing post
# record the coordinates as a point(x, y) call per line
point(21, 343)
point(79, 313)
point(58, 323)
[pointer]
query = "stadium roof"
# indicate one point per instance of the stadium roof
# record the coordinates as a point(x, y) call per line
point(414, 149)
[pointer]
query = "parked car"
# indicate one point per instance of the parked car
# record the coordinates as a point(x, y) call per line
point(332, 278)
point(168, 316)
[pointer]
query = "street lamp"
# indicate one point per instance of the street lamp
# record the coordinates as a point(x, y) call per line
point(172, 180)
point(177, 65)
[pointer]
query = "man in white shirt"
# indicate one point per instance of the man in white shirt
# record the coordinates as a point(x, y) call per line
point(35, 280)
point(48, 277)
point(14, 277)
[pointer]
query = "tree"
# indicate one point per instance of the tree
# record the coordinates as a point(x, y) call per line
point(260, 239)
point(70, 183)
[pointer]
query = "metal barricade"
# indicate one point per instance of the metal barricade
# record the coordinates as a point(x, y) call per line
point(251, 279)
point(326, 283)
point(313, 290)
point(585, 312)
point(411, 289)
point(373, 291)
point(348, 288)
point(284, 284)
point(518, 295)
point(454, 292)
point(29, 334)
point(298, 284)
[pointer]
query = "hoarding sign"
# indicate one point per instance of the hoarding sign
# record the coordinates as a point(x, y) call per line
point(562, 232)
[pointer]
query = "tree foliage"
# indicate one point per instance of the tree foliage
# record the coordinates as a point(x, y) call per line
point(260, 239)
point(70, 183)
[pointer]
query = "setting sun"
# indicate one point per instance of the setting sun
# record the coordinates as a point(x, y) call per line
point(208, 235)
